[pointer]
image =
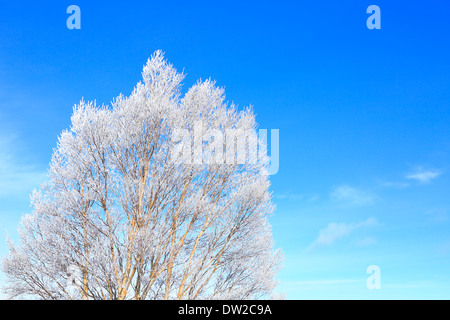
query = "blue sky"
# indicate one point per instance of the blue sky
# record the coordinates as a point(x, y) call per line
point(363, 116)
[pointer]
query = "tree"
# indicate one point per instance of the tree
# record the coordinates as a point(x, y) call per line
point(132, 210)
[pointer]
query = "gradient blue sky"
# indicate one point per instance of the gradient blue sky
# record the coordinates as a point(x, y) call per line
point(363, 118)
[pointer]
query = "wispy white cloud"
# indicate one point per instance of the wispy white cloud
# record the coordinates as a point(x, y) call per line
point(326, 282)
point(423, 176)
point(444, 248)
point(17, 176)
point(409, 285)
point(313, 197)
point(395, 185)
point(419, 175)
point(353, 196)
point(367, 241)
point(308, 197)
point(288, 195)
point(335, 231)
point(438, 215)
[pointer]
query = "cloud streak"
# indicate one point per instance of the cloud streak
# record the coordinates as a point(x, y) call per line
point(335, 231)
point(395, 185)
point(327, 282)
point(352, 196)
point(16, 176)
point(423, 176)
point(309, 197)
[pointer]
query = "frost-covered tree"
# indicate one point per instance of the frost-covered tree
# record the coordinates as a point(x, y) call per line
point(133, 211)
